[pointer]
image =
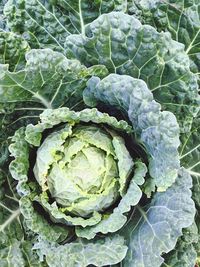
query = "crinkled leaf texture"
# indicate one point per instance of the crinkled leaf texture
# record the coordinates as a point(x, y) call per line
point(19, 168)
point(180, 18)
point(48, 23)
point(190, 159)
point(14, 249)
point(35, 81)
point(51, 117)
point(161, 224)
point(3, 24)
point(95, 251)
point(178, 196)
point(117, 219)
point(125, 46)
point(175, 205)
point(12, 50)
point(48, 78)
point(197, 246)
point(157, 130)
point(190, 156)
point(106, 251)
point(184, 254)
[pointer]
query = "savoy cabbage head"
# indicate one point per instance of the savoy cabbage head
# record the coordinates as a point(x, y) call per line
point(99, 143)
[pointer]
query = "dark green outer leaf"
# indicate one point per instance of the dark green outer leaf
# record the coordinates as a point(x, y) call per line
point(48, 78)
point(48, 23)
point(190, 156)
point(94, 252)
point(3, 25)
point(18, 107)
point(182, 19)
point(162, 224)
point(12, 117)
point(179, 17)
point(156, 130)
point(184, 254)
point(99, 252)
point(197, 246)
point(12, 50)
point(14, 251)
point(10, 226)
point(124, 46)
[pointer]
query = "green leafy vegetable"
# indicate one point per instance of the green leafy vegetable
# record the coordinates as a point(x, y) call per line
point(125, 46)
point(48, 23)
point(99, 133)
point(162, 221)
point(180, 18)
point(157, 130)
point(184, 253)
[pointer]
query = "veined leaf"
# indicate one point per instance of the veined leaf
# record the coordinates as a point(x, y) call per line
point(179, 17)
point(48, 23)
point(161, 225)
point(14, 251)
point(157, 130)
point(101, 252)
point(101, 220)
point(12, 50)
point(125, 46)
point(190, 156)
point(184, 254)
point(3, 24)
point(46, 79)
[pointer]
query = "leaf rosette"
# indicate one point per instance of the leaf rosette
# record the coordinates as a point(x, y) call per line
point(82, 168)
point(81, 173)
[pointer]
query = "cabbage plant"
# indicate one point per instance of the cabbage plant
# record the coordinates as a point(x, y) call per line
point(99, 152)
